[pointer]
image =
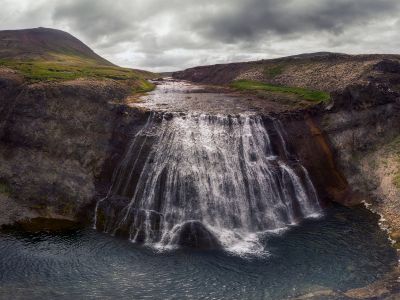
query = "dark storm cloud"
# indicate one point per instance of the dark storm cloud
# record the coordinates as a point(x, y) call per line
point(250, 19)
point(175, 34)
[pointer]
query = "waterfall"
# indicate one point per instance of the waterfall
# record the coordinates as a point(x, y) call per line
point(208, 181)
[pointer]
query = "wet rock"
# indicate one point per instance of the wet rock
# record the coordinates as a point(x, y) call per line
point(386, 288)
point(194, 234)
point(395, 235)
point(319, 295)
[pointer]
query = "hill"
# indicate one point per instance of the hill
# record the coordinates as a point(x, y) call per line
point(322, 71)
point(44, 54)
point(44, 43)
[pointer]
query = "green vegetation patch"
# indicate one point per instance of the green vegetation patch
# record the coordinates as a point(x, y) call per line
point(5, 188)
point(303, 93)
point(143, 86)
point(36, 71)
point(64, 67)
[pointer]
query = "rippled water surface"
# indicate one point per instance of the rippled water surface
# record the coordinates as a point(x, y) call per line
point(343, 250)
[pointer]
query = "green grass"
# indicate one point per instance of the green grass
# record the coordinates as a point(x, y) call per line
point(64, 67)
point(49, 70)
point(303, 93)
point(143, 86)
point(5, 188)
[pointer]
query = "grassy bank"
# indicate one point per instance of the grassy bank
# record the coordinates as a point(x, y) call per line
point(303, 93)
point(65, 67)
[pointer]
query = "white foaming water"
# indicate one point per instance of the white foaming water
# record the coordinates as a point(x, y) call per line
point(224, 173)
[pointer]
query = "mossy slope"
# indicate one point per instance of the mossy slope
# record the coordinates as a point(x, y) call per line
point(302, 93)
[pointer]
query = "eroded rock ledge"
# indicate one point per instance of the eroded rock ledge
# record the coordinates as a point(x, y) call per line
point(57, 144)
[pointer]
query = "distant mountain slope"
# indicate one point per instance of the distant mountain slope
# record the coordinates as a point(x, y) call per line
point(322, 70)
point(42, 54)
point(44, 43)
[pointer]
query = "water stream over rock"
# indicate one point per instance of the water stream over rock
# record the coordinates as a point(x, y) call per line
point(207, 181)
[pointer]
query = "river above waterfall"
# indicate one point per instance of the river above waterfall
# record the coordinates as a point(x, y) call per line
point(180, 96)
point(343, 250)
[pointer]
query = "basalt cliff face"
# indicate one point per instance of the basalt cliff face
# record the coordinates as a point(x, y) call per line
point(55, 139)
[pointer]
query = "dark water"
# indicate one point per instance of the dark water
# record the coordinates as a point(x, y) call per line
point(343, 250)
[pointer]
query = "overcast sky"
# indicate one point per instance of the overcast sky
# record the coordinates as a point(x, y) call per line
point(163, 35)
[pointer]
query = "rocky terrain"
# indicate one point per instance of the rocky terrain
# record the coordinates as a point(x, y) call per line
point(328, 71)
point(55, 138)
point(58, 134)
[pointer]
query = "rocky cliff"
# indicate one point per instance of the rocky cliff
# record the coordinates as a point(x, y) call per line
point(363, 129)
point(56, 140)
point(63, 123)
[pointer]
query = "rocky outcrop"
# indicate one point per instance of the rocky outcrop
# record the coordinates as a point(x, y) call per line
point(194, 234)
point(362, 127)
point(386, 288)
point(56, 141)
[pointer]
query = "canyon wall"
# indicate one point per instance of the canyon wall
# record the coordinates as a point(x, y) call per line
point(57, 141)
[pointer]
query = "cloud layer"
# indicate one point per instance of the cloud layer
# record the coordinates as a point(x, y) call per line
point(164, 35)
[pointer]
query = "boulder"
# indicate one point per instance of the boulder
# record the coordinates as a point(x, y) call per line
point(194, 234)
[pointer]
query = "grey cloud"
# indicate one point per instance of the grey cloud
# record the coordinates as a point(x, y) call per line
point(251, 19)
point(175, 34)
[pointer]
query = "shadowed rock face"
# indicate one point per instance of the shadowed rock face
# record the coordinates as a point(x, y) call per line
point(56, 141)
point(388, 66)
point(194, 234)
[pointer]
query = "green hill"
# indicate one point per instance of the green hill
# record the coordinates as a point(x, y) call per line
point(44, 54)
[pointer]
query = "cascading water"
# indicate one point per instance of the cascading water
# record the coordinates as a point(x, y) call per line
point(207, 181)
